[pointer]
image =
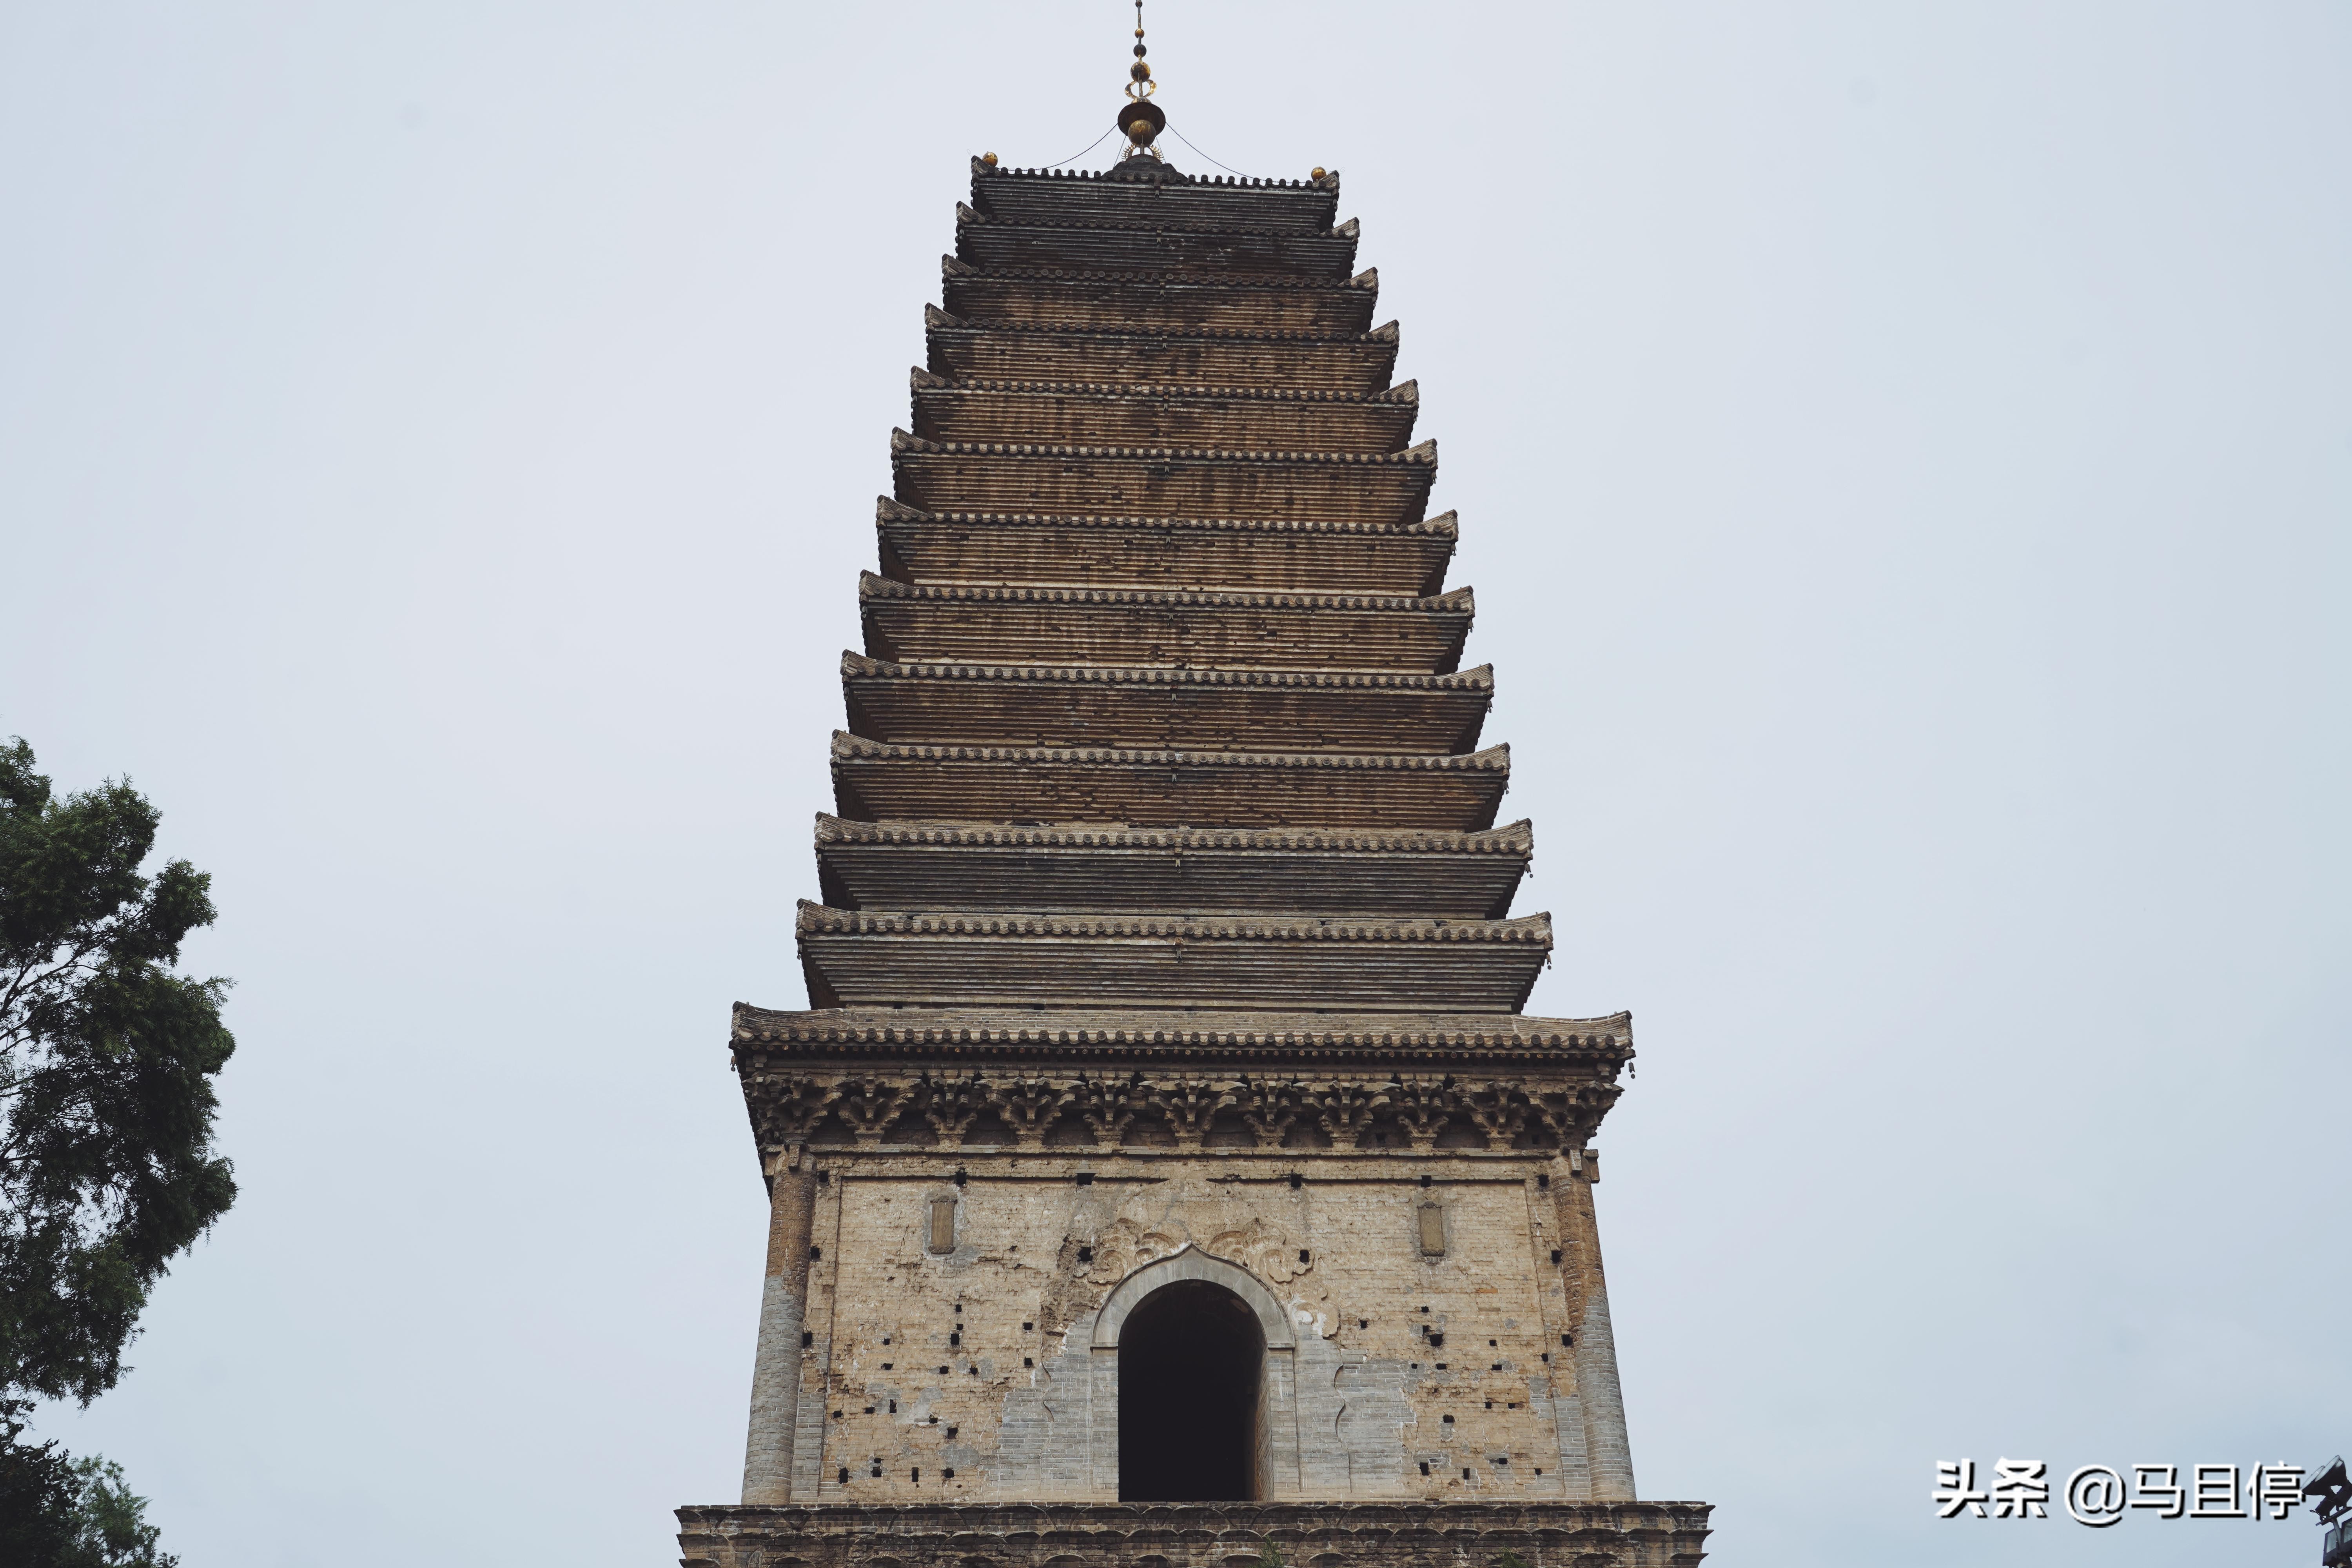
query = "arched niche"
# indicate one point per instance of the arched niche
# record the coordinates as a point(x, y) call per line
point(1188, 1262)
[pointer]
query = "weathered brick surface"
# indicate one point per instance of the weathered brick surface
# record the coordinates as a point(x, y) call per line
point(1197, 1535)
point(1027, 1405)
point(1166, 950)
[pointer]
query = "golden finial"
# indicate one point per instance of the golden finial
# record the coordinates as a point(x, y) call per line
point(1139, 117)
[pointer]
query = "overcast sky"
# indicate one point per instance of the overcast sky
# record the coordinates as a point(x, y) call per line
point(1905, 458)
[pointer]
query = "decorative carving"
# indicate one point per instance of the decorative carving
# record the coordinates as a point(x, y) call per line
point(792, 1107)
point(952, 1103)
point(1500, 1110)
point(786, 1111)
point(1190, 1106)
point(1346, 1109)
point(1269, 1108)
point(1422, 1106)
point(1109, 1107)
point(870, 1104)
point(1028, 1105)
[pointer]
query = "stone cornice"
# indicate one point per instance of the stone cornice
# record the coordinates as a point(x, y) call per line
point(1445, 525)
point(1367, 281)
point(1403, 393)
point(983, 171)
point(937, 320)
point(814, 918)
point(1611, 1037)
point(1421, 456)
point(1479, 681)
point(1347, 232)
point(1515, 841)
point(1458, 601)
point(1491, 760)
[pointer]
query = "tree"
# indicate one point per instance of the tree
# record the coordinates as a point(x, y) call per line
point(107, 1165)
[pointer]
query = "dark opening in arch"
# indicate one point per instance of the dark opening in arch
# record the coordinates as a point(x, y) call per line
point(1191, 1362)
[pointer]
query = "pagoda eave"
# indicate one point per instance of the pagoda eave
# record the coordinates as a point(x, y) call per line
point(994, 623)
point(1083, 551)
point(1185, 419)
point(875, 780)
point(1154, 482)
point(1166, 707)
point(882, 957)
point(1363, 362)
point(987, 867)
point(1163, 302)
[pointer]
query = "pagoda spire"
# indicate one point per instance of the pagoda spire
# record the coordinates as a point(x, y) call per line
point(1138, 117)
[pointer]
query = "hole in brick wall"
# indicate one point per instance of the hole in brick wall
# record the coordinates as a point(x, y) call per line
point(973, 1369)
point(1190, 1371)
point(1497, 1367)
point(1490, 1345)
point(1424, 1309)
point(1303, 1257)
point(959, 1306)
point(1567, 1338)
point(1027, 1327)
point(1086, 1178)
point(935, 1420)
point(1436, 1340)
point(1449, 1420)
point(1466, 1475)
point(845, 1475)
point(955, 1336)
point(1546, 1355)
point(949, 1474)
point(1425, 1467)
point(1028, 1361)
point(1441, 1366)
point(915, 1474)
point(1544, 1181)
point(808, 1338)
point(951, 1432)
point(885, 1339)
point(943, 1372)
point(1490, 1404)
point(816, 1253)
point(837, 1415)
point(869, 1410)
point(894, 1407)
point(889, 1366)
point(875, 1472)
point(1297, 1181)
point(1555, 1255)
point(824, 1178)
point(1425, 1181)
point(961, 1177)
point(1363, 1322)
point(1539, 1469)
point(1085, 1254)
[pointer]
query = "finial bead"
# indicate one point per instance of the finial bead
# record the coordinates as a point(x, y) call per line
point(1140, 71)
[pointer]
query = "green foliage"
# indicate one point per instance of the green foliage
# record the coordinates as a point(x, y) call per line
point(61, 1512)
point(1510, 1559)
point(106, 1166)
point(1269, 1555)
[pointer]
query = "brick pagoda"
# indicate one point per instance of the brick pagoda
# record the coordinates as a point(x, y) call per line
point(1163, 1166)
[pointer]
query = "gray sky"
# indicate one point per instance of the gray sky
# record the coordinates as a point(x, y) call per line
point(1905, 455)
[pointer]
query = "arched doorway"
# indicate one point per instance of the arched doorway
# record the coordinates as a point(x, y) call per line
point(1191, 1376)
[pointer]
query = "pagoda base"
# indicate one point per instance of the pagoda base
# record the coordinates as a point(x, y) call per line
point(1196, 1535)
